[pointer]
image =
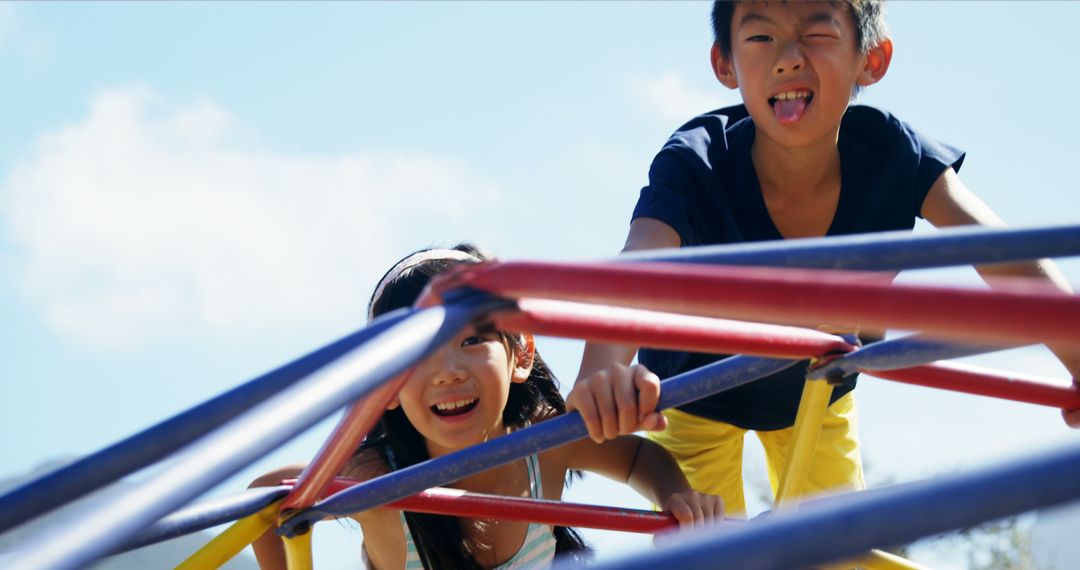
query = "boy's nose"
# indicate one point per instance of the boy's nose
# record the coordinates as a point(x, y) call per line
point(791, 59)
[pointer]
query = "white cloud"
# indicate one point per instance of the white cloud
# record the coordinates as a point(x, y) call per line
point(673, 99)
point(145, 215)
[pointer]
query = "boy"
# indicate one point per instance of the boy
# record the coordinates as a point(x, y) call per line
point(794, 161)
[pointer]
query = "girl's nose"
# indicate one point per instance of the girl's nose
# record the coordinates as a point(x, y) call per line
point(791, 59)
point(448, 367)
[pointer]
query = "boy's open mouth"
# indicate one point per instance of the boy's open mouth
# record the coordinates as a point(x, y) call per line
point(790, 106)
point(455, 408)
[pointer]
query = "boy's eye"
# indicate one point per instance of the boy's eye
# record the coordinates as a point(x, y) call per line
point(758, 38)
point(821, 31)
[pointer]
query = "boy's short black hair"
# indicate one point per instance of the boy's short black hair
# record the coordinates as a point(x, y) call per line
point(868, 15)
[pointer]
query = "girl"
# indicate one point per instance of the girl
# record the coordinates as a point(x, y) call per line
point(479, 386)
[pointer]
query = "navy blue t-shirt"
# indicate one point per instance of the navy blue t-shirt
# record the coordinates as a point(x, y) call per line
point(702, 183)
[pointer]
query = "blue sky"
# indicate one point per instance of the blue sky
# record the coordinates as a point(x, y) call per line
point(194, 193)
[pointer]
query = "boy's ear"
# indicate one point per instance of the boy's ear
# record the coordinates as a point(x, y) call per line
point(393, 403)
point(721, 66)
point(523, 359)
point(877, 63)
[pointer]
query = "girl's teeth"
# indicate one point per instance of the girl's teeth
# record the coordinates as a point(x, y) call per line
point(454, 405)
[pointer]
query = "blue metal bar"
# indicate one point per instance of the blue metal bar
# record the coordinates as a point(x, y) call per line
point(101, 468)
point(675, 391)
point(207, 514)
point(904, 352)
point(98, 529)
point(842, 527)
point(885, 251)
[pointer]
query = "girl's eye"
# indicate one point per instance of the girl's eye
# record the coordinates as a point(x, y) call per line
point(476, 339)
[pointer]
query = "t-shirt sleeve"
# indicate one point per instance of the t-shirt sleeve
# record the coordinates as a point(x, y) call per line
point(933, 158)
point(667, 197)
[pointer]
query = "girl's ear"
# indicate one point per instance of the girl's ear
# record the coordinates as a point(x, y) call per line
point(523, 359)
point(877, 63)
point(721, 66)
point(393, 403)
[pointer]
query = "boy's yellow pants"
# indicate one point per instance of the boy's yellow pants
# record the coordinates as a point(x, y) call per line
point(710, 454)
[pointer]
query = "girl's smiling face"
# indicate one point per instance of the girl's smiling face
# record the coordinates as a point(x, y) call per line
point(455, 398)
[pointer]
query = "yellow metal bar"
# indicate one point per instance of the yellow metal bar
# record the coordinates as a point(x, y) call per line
point(298, 551)
point(229, 543)
point(812, 407)
point(877, 560)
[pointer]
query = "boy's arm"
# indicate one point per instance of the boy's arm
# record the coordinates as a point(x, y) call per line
point(951, 203)
point(621, 404)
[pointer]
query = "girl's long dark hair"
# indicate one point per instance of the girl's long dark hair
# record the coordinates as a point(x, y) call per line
point(438, 538)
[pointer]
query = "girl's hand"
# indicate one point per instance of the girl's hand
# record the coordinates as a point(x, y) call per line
point(618, 400)
point(694, 509)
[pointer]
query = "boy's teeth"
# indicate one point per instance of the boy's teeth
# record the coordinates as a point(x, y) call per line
point(454, 405)
point(792, 95)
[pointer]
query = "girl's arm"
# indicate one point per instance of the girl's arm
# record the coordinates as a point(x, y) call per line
point(651, 471)
point(951, 203)
point(269, 550)
point(380, 525)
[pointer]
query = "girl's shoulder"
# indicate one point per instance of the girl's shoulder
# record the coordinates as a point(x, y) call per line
point(384, 537)
point(383, 534)
point(367, 463)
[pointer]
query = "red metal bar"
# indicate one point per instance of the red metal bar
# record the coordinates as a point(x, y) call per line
point(459, 503)
point(454, 502)
point(341, 444)
point(987, 382)
point(348, 434)
point(1011, 313)
point(666, 330)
